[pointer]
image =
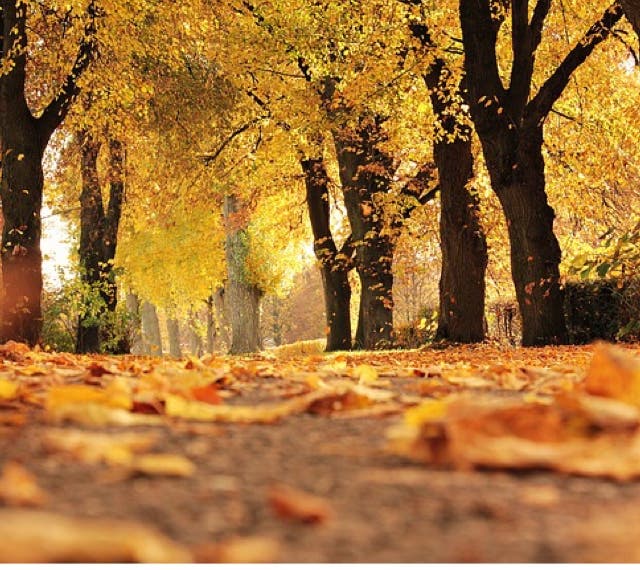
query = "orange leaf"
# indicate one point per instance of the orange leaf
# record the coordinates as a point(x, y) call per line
point(293, 504)
point(208, 394)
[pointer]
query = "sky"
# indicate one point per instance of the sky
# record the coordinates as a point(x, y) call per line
point(56, 249)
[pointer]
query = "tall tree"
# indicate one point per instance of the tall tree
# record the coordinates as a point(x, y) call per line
point(99, 235)
point(462, 239)
point(241, 295)
point(23, 140)
point(335, 264)
point(510, 124)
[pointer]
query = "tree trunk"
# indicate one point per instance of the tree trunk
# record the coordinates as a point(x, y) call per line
point(366, 173)
point(98, 241)
point(334, 265)
point(23, 139)
point(151, 337)
point(241, 296)
point(463, 244)
point(516, 168)
point(509, 122)
point(21, 193)
point(173, 334)
point(91, 244)
point(133, 307)
point(632, 13)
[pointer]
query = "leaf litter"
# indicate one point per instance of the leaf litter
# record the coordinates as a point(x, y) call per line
point(571, 410)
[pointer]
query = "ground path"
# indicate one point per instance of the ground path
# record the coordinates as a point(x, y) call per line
point(241, 499)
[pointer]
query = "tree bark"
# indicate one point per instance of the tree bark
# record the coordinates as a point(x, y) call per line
point(366, 173)
point(632, 13)
point(133, 308)
point(509, 123)
point(99, 238)
point(173, 334)
point(23, 139)
point(463, 243)
point(151, 337)
point(241, 296)
point(91, 245)
point(334, 264)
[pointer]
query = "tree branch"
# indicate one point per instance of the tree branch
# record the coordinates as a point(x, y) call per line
point(208, 158)
point(540, 106)
point(479, 35)
point(59, 107)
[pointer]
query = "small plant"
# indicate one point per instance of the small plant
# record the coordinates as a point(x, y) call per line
point(77, 301)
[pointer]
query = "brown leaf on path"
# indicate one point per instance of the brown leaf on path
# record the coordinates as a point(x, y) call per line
point(15, 351)
point(574, 434)
point(95, 414)
point(296, 505)
point(92, 447)
point(44, 537)
point(166, 464)
point(239, 550)
point(208, 394)
point(19, 487)
point(614, 373)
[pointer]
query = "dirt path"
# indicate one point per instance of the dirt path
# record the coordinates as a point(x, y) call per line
point(381, 507)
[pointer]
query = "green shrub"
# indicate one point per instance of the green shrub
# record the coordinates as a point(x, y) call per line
point(74, 300)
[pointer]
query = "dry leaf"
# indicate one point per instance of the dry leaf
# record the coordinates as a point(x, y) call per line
point(42, 537)
point(208, 394)
point(240, 550)
point(177, 406)
point(8, 389)
point(293, 504)
point(99, 415)
point(91, 447)
point(581, 435)
point(19, 488)
point(614, 374)
point(162, 464)
point(116, 395)
point(366, 374)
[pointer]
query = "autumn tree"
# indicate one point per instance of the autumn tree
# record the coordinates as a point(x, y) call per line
point(335, 263)
point(24, 135)
point(463, 244)
point(99, 234)
point(510, 121)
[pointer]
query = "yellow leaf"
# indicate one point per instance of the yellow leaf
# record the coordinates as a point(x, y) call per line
point(116, 395)
point(163, 464)
point(96, 414)
point(176, 406)
point(366, 374)
point(32, 537)
point(8, 389)
point(429, 411)
point(19, 488)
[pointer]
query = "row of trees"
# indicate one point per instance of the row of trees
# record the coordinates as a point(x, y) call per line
point(222, 110)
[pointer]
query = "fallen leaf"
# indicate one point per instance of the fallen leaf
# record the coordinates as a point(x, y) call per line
point(43, 537)
point(176, 406)
point(208, 394)
point(293, 504)
point(366, 374)
point(567, 435)
point(240, 550)
point(19, 487)
point(98, 415)
point(162, 464)
point(8, 389)
point(614, 374)
point(116, 395)
point(91, 447)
